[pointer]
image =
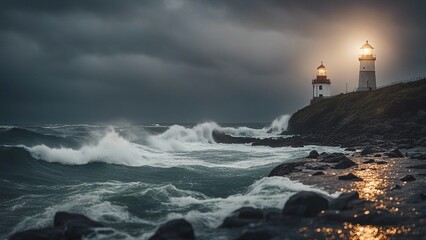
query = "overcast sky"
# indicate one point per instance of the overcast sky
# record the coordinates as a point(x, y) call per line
point(191, 61)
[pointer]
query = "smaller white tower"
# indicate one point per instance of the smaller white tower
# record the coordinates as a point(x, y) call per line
point(367, 70)
point(321, 85)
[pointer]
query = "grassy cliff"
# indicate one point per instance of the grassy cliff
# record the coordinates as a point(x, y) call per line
point(392, 110)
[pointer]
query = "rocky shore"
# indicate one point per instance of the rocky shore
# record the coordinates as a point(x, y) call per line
point(379, 195)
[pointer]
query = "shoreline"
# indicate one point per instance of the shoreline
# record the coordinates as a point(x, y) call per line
point(376, 205)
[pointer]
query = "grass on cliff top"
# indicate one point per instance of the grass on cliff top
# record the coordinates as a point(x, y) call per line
point(359, 107)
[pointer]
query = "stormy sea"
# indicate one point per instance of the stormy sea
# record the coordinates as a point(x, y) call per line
point(133, 178)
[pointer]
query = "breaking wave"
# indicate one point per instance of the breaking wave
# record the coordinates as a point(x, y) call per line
point(160, 150)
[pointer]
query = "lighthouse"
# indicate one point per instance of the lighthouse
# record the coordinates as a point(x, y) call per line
point(320, 85)
point(367, 71)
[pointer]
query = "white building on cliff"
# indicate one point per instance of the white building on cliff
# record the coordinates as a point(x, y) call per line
point(321, 85)
point(367, 70)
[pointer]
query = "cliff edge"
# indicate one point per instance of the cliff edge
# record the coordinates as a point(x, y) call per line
point(393, 112)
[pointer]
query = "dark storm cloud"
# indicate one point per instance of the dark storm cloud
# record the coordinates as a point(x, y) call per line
point(172, 60)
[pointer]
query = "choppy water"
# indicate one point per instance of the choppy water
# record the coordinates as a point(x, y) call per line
point(135, 177)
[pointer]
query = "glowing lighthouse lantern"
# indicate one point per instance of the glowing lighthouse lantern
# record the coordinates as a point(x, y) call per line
point(367, 71)
point(321, 85)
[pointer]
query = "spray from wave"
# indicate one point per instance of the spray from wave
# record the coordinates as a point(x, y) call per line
point(112, 148)
point(279, 124)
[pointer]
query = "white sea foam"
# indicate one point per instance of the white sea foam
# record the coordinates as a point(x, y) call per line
point(268, 192)
point(176, 147)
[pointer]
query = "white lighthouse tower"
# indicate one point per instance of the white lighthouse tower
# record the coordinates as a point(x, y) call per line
point(367, 70)
point(321, 85)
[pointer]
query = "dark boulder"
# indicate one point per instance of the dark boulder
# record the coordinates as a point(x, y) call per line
point(408, 178)
point(243, 217)
point(350, 149)
point(377, 155)
point(286, 168)
point(65, 219)
point(381, 162)
point(396, 187)
point(313, 154)
point(177, 229)
point(344, 201)
point(318, 173)
point(367, 161)
point(333, 157)
point(76, 225)
point(350, 177)
point(397, 153)
point(367, 150)
point(305, 204)
point(345, 163)
point(221, 137)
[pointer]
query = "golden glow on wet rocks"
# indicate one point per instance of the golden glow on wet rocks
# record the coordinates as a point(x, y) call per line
point(374, 184)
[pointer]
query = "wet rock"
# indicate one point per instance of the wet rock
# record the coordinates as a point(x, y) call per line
point(397, 153)
point(286, 168)
point(377, 155)
point(294, 141)
point(65, 219)
point(396, 187)
point(305, 204)
point(416, 198)
point(344, 201)
point(318, 173)
point(408, 178)
point(350, 177)
point(344, 164)
point(316, 166)
point(177, 229)
point(76, 225)
point(313, 154)
point(221, 137)
point(333, 158)
point(367, 150)
point(243, 217)
point(381, 162)
point(391, 155)
point(368, 161)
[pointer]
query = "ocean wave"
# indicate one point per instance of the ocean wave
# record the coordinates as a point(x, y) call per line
point(159, 150)
point(180, 138)
point(268, 192)
point(118, 203)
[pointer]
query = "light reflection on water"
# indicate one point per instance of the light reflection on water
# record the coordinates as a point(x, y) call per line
point(362, 232)
point(372, 188)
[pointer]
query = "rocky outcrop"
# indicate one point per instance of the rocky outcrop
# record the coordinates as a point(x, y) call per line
point(221, 137)
point(396, 113)
point(305, 204)
point(177, 229)
point(242, 217)
point(286, 168)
